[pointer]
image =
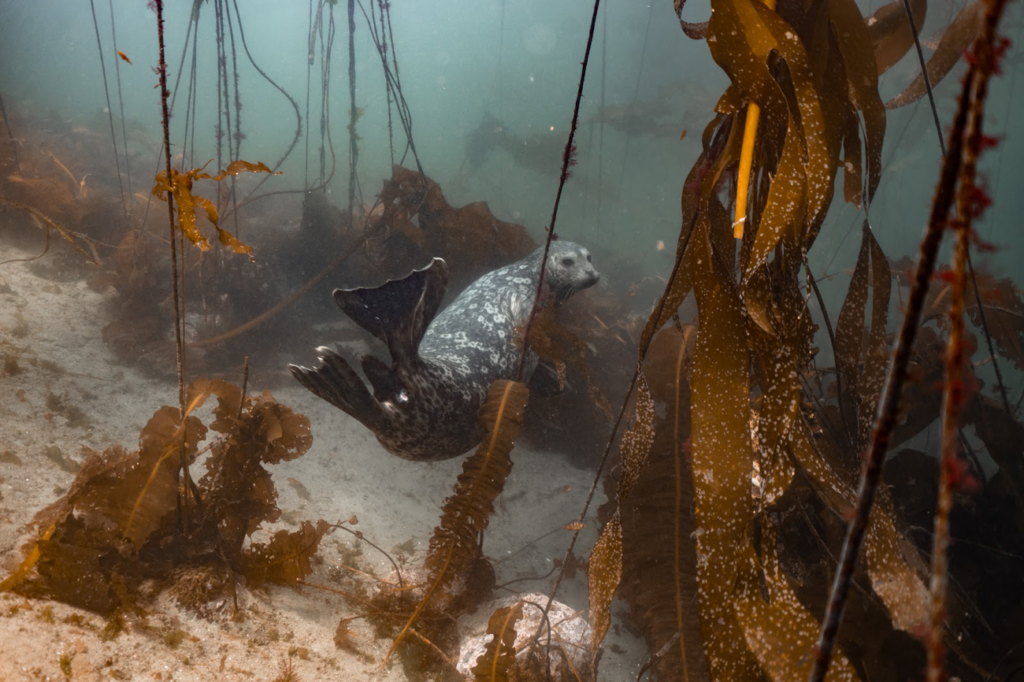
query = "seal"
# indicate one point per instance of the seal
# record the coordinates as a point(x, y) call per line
point(425, 406)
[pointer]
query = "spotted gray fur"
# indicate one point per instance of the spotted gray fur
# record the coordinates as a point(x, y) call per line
point(426, 405)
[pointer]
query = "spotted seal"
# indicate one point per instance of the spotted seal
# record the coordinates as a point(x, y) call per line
point(426, 405)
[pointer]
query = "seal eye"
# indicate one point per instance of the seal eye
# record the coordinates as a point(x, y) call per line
point(589, 259)
point(568, 262)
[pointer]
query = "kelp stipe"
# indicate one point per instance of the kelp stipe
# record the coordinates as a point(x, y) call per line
point(454, 557)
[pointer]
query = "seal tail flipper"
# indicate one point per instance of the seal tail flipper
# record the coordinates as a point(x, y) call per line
point(337, 383)
point(385, 384)
point(399, 311)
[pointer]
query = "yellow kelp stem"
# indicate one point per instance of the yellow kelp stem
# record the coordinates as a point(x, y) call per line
point(746, 159)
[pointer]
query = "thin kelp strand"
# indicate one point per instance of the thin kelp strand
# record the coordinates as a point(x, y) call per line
point(110, 112)
point(568, 159)
point(353, 115)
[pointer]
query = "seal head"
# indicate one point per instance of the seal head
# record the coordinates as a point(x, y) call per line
point(425, 405)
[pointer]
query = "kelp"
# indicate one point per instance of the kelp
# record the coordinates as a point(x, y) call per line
point(659, 557)
point(120, 521)
point(861, 351)
point(47, 224)
point(285, 560)
point(500, 653)
point(420, 224)
point(1004, 312)
point(179, 185)
point(814, 73)
point(954, 41)
point(890, 31)
point(454, 551)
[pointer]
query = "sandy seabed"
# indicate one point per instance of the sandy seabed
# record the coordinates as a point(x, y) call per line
point(51, 326)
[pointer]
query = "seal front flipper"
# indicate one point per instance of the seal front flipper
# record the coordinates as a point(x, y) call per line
point(399, 311)
point(337, 383)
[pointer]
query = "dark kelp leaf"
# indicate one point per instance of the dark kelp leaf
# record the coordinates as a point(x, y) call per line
point(876, 354)
point(1002, 435)
point(467, 511)
point(659, 553)
point(779, 631)
point(785, 201)
point(636, 442)
point(890, 31)
point(861, 357)
point(1004, 313)
point(284, 560)
point(892, 566)
point(744, 637)
point(850, 331)
point(954, 41)
point(778, 628)
point(604, 572)
point(499, 653)
point(604, 567)
point(862, 75)
point(722, 457)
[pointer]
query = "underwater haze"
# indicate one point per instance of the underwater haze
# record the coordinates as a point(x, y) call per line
point(756, 415)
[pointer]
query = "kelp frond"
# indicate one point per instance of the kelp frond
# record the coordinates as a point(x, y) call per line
point(466, 513)
point(179, 185)
point(119, 520)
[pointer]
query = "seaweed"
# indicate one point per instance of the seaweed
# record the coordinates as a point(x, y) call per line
point(179, 185)
point(418, 223)
point(453, 564)
point(813, 72)
point(500, 653)
point(952, 45)
point(120, 521)
point(659, 558)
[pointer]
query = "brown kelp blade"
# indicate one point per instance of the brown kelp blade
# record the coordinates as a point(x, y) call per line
point(952, 45)
point(500, 653)
point(890, 31)
point(179, 185)
point(287, 558)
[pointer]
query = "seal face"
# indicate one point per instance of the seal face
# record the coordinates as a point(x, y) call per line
point(425, 406)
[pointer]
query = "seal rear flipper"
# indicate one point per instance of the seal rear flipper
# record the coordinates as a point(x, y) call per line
point(399, 311)
point(337, 383)
point(385, 384)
